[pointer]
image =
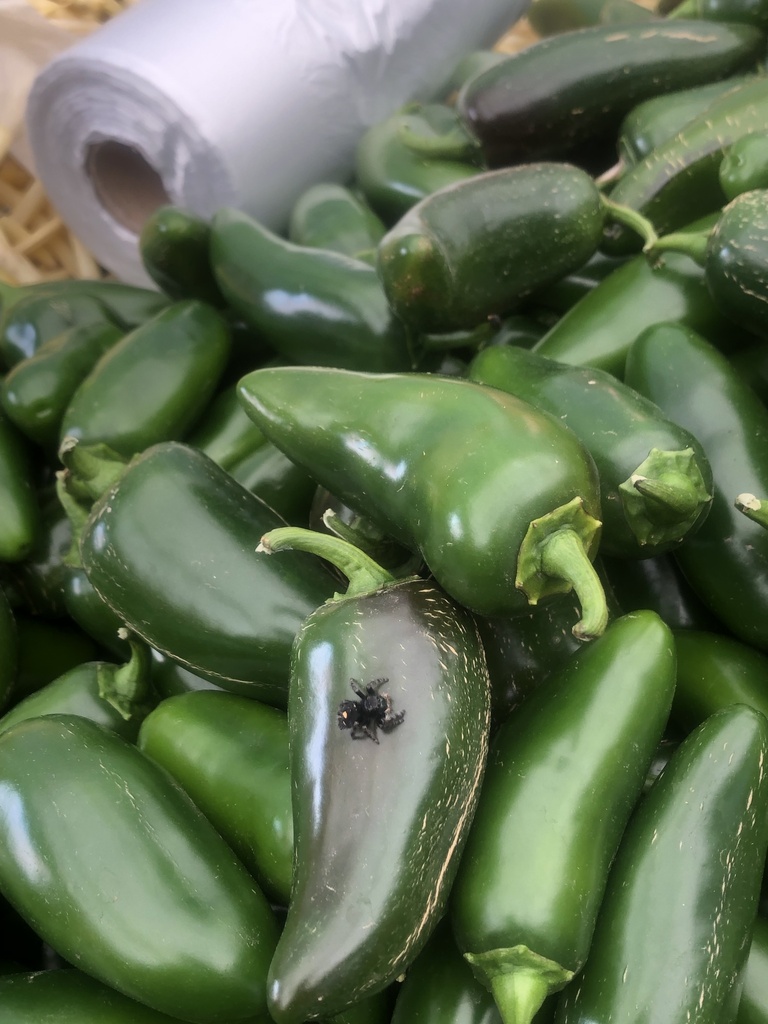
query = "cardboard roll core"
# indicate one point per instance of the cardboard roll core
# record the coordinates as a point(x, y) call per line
point(126, 184)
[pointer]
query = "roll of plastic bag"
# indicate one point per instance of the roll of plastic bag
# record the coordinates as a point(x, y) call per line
point(245, 103)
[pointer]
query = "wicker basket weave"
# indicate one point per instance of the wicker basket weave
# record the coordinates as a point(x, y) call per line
point(35, 244)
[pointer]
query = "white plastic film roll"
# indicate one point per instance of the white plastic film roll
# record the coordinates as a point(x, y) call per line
point(207, 103)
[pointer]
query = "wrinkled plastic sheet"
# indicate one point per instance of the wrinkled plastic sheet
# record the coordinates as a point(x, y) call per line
point(239, 103)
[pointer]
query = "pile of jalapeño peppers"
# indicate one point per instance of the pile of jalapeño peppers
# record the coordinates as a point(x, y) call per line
point(384, 603)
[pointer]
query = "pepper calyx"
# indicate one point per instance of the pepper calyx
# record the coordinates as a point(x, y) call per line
point(519, 979)
point(664, 496)
point(753, 508)
point(555, 557)
point(126, 687)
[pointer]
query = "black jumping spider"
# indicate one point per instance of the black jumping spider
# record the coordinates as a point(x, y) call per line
point(370, 712)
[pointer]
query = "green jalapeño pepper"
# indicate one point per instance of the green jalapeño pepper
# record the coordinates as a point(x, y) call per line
point(571, 88)
point(312, 306)
point(116, 697)
point(138, 888)
point(174, 247)
point(745, 165)
point(658, 120)
point(37, 391)
point(171, 548)
point(501, 500)
point(599, 330)
point(20, 518)
point(388, 714)
point(726, 560)
point(472, 250)
point(564, 774)
point(153, 383)
point(410, 155)
point(331, 216)
point(655, 481)
point(679, 180)
point(440, 988)
point(230, 754)
point(734, 255)
point(69, 997)
point(674, 927)
point(33, 314)
point(713, 672)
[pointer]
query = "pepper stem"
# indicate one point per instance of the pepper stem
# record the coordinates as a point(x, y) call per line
point(519, 995)
point(363, 573)
point(555, 558)
point(93, 468)
point(664, 496)
point(612, 174)
point(127, 687)
point(689, 243)
point(519, 979)
point(753, 508)
point(633, 220)
point(667, 500)
point(454, 144)
point(564, 557)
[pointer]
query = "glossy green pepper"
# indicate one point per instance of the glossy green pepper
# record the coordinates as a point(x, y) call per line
point(574, 87)
point(734, 254)
point(70, 997)
point(679, 180)
point(128, 854)
point(330, 216)
point(225, 432)
point(658, 120)
point(409, 155)
point(173, 362)
point(564, 773)
point(655, 481)
point(230, 754)
point(713, 672)
point(599, 330)
point(287, 488)
point(311, 305)
point(745, 165)
point(686, 879)
point(20, 524)
point(515, 517)
point(174, 247)
point(37, 391)
point(389, 711)
point(522, 651)
point(473, 249)
point(116, 697)
point(33, 314)
point(440, 988)
point(726, 560)
point(171, 548)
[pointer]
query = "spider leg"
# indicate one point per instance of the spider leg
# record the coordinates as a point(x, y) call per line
point(356, 688)
point(391, 721)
